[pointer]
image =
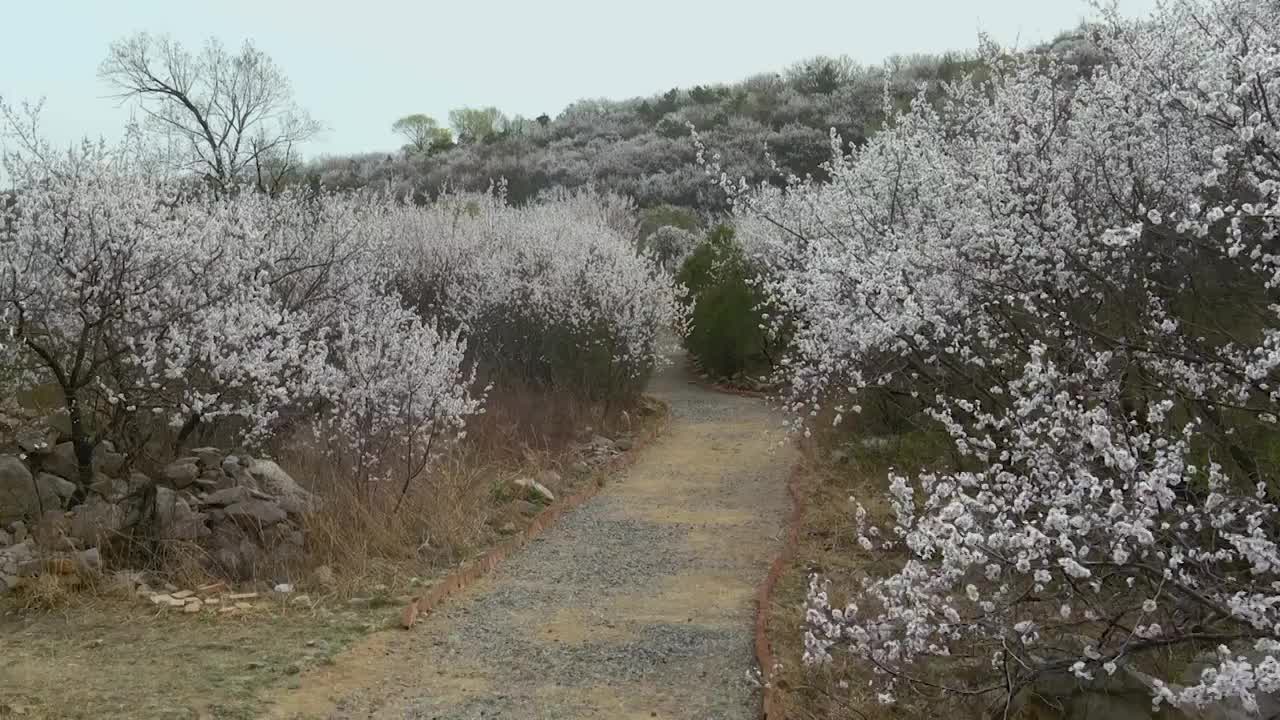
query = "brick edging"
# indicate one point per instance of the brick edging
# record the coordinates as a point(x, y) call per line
point(771, 700)
point(464, 577)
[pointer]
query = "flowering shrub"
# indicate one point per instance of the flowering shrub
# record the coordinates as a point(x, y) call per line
point(553, 294)
point(1075, 276)
point(150, 304)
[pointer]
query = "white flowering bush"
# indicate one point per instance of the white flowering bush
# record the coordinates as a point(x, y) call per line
point(553, 293)
point(155, 308)
point(1075, 276)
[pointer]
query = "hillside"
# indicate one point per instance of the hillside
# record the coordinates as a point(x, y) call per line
point(640, 147)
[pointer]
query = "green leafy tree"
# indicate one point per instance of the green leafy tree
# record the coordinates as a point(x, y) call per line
point(725, 334)
point(822, 75)
point(423, 134)
point(476, 125)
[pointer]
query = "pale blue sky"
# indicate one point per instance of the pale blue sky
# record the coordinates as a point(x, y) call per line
point(357, 65)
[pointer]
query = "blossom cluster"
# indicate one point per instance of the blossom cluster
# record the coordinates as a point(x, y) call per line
point(1074, 273)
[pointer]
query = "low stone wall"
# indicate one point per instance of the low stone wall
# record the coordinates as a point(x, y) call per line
point(239, 509)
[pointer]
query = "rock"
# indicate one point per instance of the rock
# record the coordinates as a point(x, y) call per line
point(283, 588)
point(213, 587)
point(508, 529)
point(274, 480)
point(161, 599)
point(194, 606)
point(62, 462)
point(180, 474)
point(535, 489)
point(17, 491)
point(109, 489)
point(5, 539)
point(183, 594)
point(238, 556)
point(624, 444)
point(138, 482)
point(107, 461)
point(292, 505)
point(56, 487)
point(19, 530)
point(97, 522)
point(21, 552)
point(37, 441)
point(259, 513)
point(234, 597)
point(207, 484)
point(549, 477)
point(230, 464)
point(229, 496)
point(208, 457)
point(175, 520)
point(581, 468)
point(89, 561)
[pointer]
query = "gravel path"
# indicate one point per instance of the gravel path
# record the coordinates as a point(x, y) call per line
point(639, 604)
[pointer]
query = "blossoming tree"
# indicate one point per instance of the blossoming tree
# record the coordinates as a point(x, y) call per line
point(1074, 274)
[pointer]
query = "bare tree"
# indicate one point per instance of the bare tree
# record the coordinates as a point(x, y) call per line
point(231, 116)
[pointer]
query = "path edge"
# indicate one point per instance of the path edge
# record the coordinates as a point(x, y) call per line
point(464, 577)
point(770, 697)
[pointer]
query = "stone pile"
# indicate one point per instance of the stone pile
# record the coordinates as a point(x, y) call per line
point(240, 510)
point(599, 450)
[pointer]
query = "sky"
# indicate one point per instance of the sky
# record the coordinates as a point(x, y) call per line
point(357, 66)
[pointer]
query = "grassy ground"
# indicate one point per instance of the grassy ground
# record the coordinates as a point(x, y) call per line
point(110, 657)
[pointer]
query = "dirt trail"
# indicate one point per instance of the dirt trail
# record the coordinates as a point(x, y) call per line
point(636, 605)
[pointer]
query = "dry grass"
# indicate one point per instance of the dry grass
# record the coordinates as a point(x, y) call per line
point(380, 543)
point(827, 545)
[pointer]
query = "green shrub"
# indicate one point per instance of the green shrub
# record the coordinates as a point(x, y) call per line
point(725, 333)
